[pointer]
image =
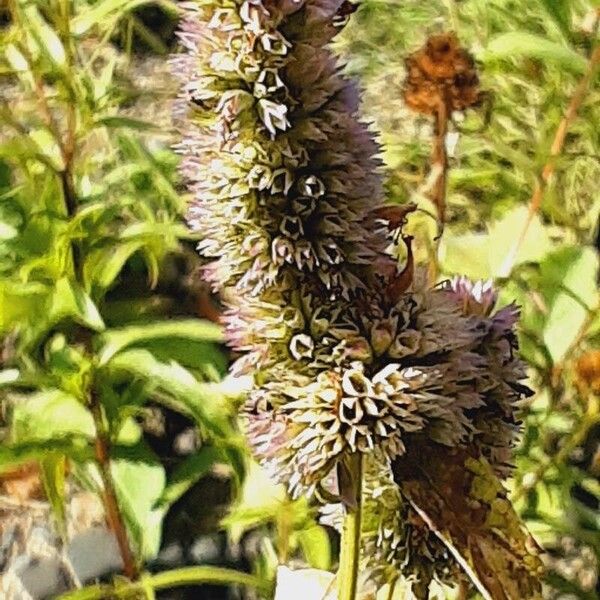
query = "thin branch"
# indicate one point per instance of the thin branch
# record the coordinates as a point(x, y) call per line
point(439, 161)
point(109, 495)
point(555, 150)
point(439, 165)
point(184, 576)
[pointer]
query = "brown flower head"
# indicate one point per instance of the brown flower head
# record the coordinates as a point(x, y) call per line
point(441, 73)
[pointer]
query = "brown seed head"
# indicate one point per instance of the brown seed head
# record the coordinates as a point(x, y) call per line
point(588, 370)
point(441, 72)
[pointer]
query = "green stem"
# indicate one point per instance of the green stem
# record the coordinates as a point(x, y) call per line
point(195, 575)
point(350, 545)
point(169, 579)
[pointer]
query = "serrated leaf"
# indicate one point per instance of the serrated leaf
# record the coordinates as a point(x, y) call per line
point(116, 340)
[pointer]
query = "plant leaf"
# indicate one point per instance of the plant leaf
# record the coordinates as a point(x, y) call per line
point(314, 542)
point(521, 43)
point(116, 340)
point(53, 470)
point(47, 415)
point(191, 470)
point(176, 387)
point(70, 300)
point(140, 481)
point(568, 278)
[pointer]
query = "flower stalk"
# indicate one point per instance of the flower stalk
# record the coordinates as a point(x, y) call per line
point(347, 577)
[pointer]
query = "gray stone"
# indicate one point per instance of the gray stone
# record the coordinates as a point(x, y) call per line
point(94, 553)
point(43, 578)
point(206, 549)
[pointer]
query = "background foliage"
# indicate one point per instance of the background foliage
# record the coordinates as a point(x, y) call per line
point(106, 330)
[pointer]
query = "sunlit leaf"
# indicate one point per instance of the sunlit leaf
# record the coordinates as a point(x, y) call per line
point(175, 386)
point(53, 471)
point(569, 277)
point(70, 300)
point(483, 256)
point(49, 414)
point(116, 340)
point(45, 36)
point(48, 147)
point(103, 265)
point(516, 44)
point(314, 542)
point(140, 482)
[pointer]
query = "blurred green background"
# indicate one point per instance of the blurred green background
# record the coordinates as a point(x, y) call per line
point(107, 331)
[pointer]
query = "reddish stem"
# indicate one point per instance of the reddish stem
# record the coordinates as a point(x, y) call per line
point(109, 496)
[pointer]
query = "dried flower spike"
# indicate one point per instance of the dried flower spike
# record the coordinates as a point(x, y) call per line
point(352, 358)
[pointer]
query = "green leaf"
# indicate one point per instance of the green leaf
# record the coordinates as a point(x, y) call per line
point(314, 542)
point(176, 387)
point(514, 44)
point(569, 278)
point(191, 470)
point(49, 414)
point(100, 11)
point(199, 356)
point(116, 340)
point(70, 300)
point(15, 58)
point(559, 11)
point(7, 232)
point(48, 148)
point(259, 502)
point(482, 256)
point(103, 265)
point(118, 122)
point(53, 472)
point(45, 36)
point(18, 301)
point(75, 447)
point(140, 481)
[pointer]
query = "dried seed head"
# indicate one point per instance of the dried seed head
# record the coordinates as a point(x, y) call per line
point(441, 73)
